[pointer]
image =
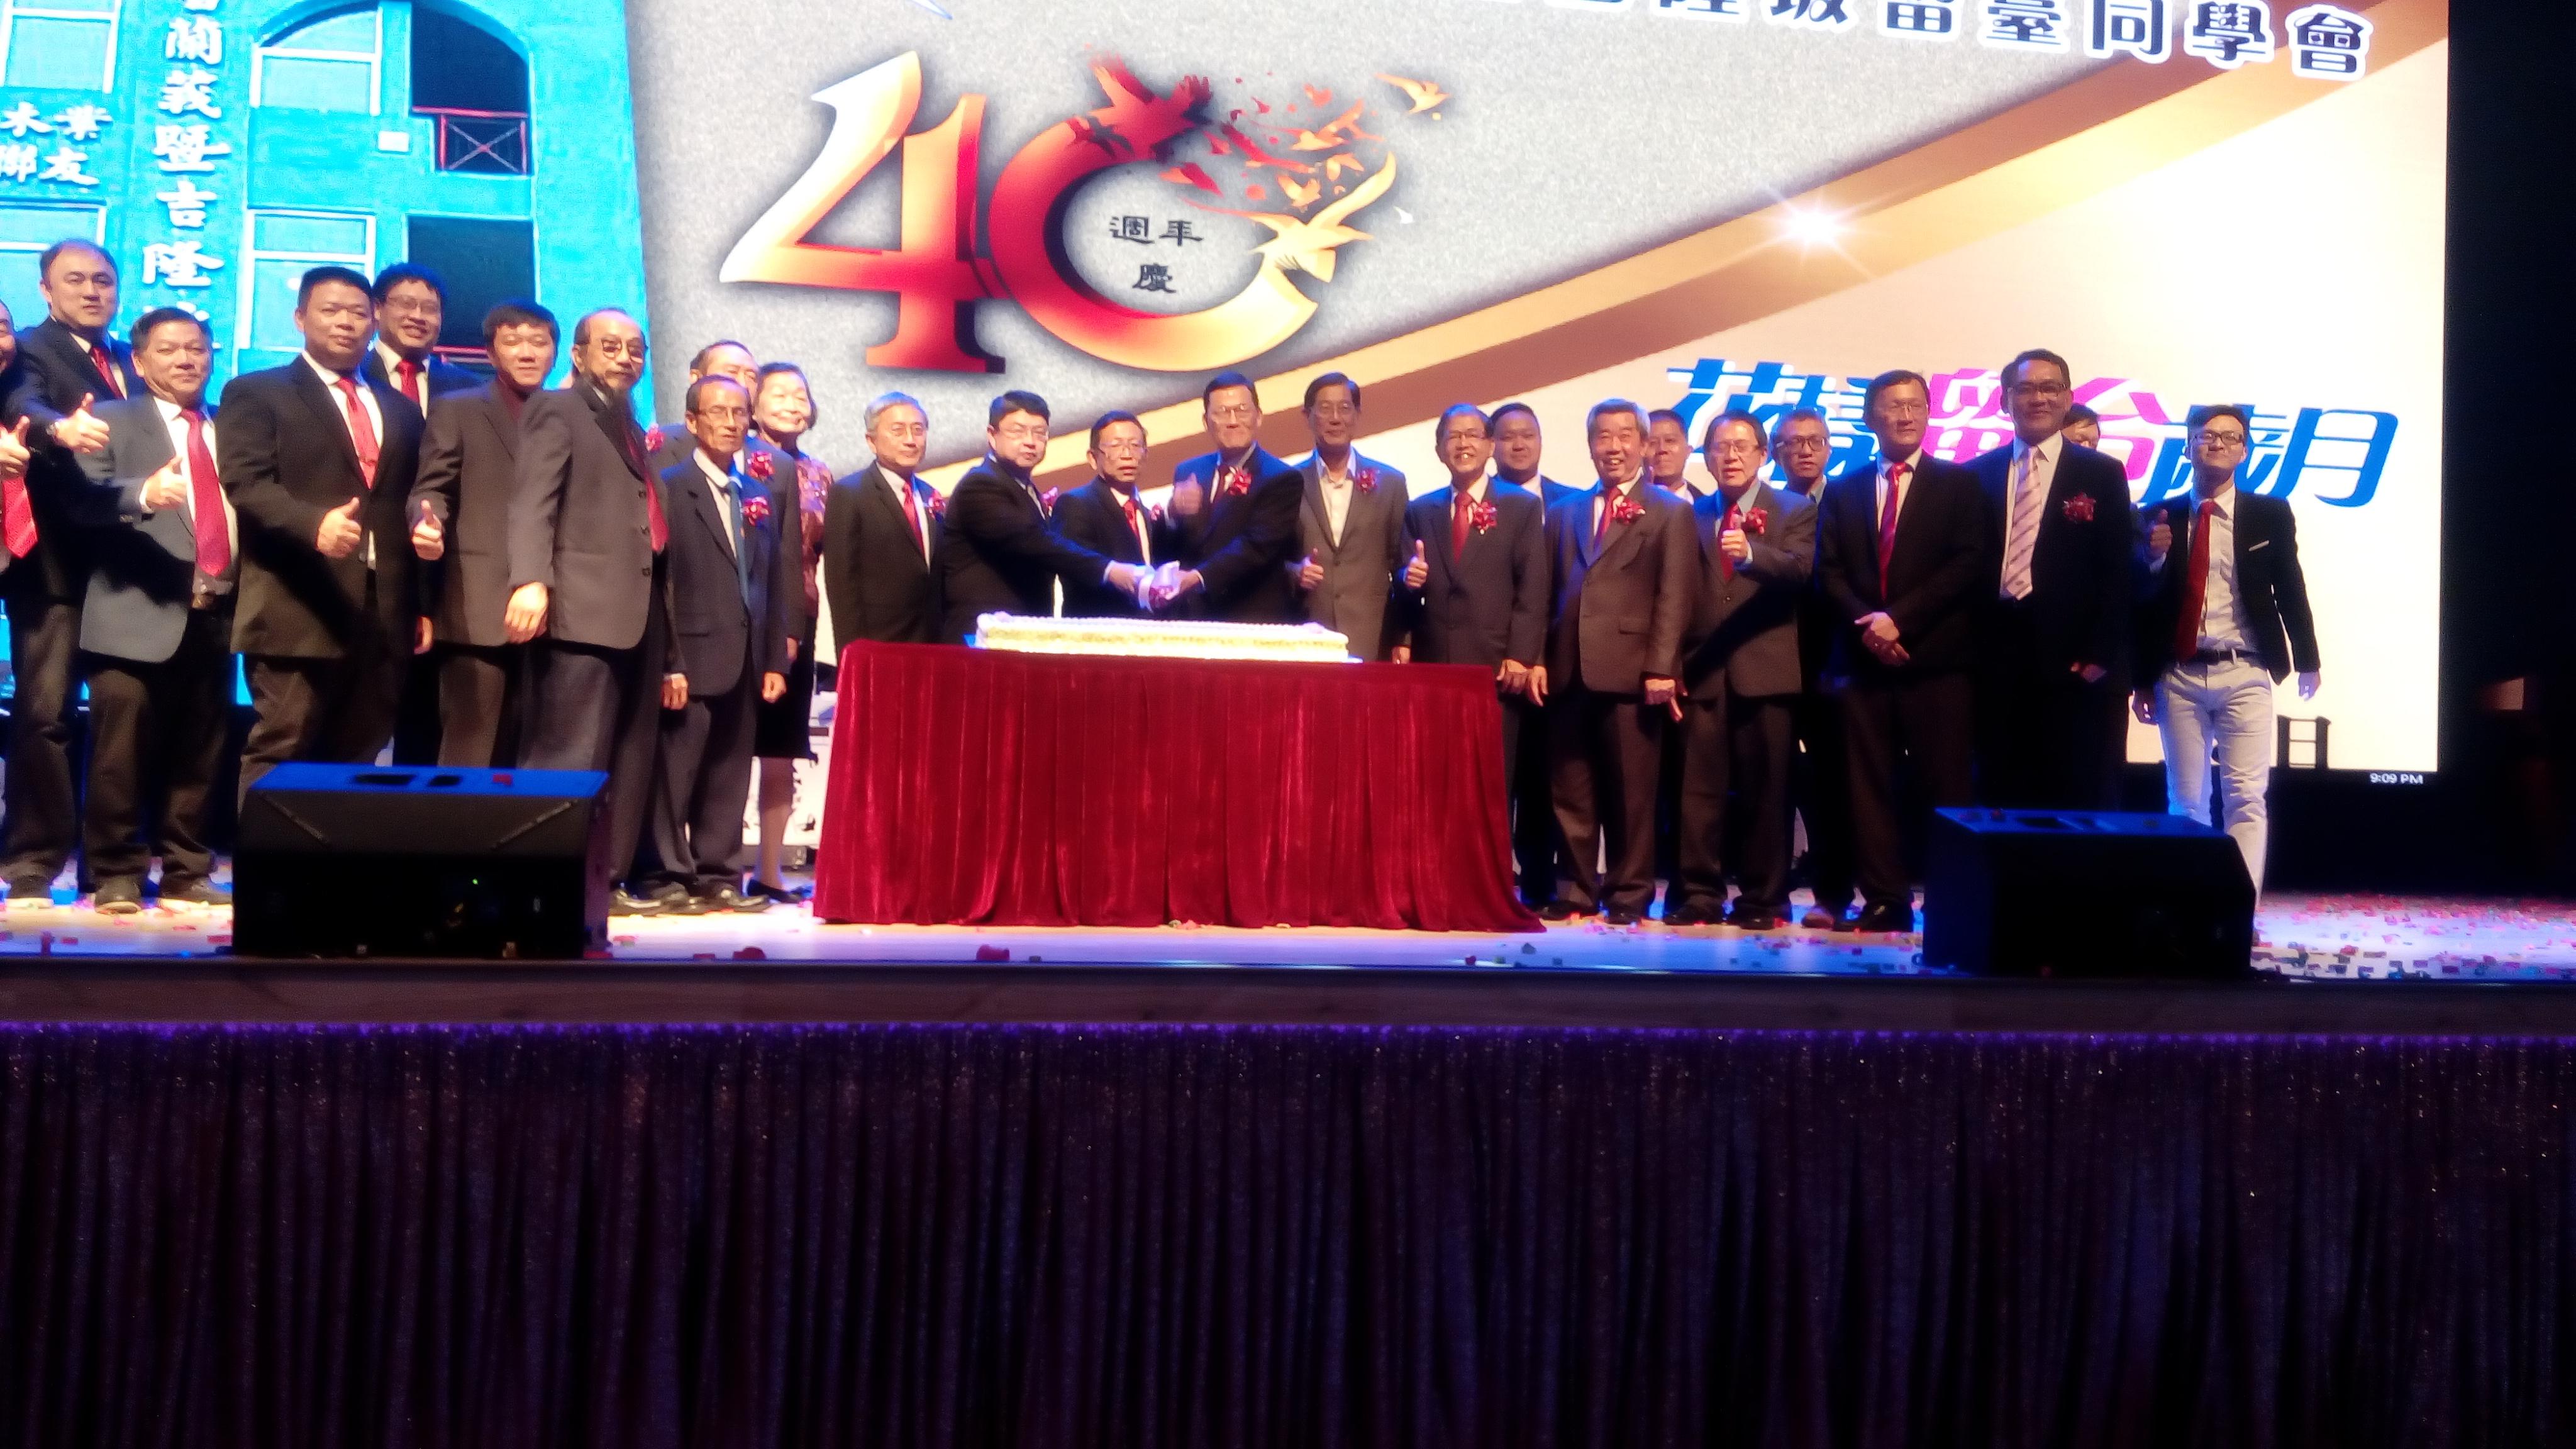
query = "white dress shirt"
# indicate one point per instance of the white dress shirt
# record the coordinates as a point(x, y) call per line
point(1337, 494)
point(172, 419)
point(2222, 604)
point(720, 483)
point(1878, 498)
point(1144, 521)
point(375, 420)
point(392, 363)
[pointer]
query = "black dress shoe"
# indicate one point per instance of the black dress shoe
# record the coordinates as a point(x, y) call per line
point(33, 889)
point(195, 893)
point(1621, 918)
point(1894, 919)
point(118, 898)
point(1820, 919)
point(1561, 911)
point(1685, 916)
point(726, 898)
point(1749, 920)
point(783, 895)
point(623, 902)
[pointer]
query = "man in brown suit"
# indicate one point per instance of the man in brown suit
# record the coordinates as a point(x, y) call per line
point(1351, 548)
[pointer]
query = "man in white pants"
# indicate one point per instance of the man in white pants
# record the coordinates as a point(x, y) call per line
point(2226, 616)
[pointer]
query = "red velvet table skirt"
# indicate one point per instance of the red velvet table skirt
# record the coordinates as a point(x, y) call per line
point(983, 786)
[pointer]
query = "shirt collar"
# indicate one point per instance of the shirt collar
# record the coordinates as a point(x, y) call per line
point(707, 465)
point(329, 378)
point(1913, 463)
point(170, 411)
point(1475, 490)
point(393, 360)
point(2224, 498)
point(2046, 449)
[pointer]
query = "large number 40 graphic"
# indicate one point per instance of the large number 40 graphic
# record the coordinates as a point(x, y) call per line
point(938, 274)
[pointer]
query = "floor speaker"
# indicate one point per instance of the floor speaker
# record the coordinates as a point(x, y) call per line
point(359, 860)
point(2076, 893)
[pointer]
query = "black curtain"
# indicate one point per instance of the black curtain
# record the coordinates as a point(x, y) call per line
point(1190, 1236)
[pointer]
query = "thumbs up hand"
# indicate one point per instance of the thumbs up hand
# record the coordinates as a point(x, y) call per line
point(167, 488)
point(13, 451)
point(340, 534)
point(82, 432)
point(1417, 570)
point(428, 539)
point(1309, 572)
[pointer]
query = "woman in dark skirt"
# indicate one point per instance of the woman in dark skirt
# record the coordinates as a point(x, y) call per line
point(782, 409)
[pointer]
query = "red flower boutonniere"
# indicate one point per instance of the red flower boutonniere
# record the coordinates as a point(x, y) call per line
point(2079, 509)
point(1237, 481)
point(1755, 523)
point(755, 510)
point(1365, 480)
point(1627, 510)
point(1482, 517)
point(1155, 513)
point(938, 504)
point(653, 439)
point(761, 466)
point(1046, 502)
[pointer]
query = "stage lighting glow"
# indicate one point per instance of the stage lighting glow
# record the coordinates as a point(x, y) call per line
point(1809, 227)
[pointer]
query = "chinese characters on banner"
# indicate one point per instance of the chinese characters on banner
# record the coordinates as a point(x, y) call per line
point(2332, 455)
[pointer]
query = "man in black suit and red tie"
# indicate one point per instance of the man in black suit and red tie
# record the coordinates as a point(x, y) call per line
point(411, 312)
point(2053, 651)
point(156, 627)
point(1476, 589)
point(1236, 512)
point(1622, 565)
point(460, 511)
point(1902, 548)
point(1802, 444)
point(1757, 552)
point(881, 529)
point(587, 536)
point(731, 580)
point(1518, 448)
point(2226, 617)
point(319, 463)
point(1106, 517)
point(68, 365)
point(998, 554)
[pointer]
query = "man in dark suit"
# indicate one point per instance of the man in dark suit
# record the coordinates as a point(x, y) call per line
point(411, 312)
point(1757, 555)
point(587, 536)
point(1350, 531)
point(1668, 453)
point(1476, 592)
point(67, 364)
point(1902, 549)
point(156, 627)
point(2053, 655)
point(997, 554)
point(1236, 509)
point(1105, 516)
point(881, 532)
point(320, 465)
point(460, 510)
point(2226, 617)
point(731, 579)
point(1621, 562)
point(1518, 449)
point(1820, 781)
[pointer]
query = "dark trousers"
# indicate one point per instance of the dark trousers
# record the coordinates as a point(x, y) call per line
point(1603, 750)
point(158, 728)
point(1820, 782)
point(1734, 801)
point(1922, 723)
point(2044, 736)
point(43, 798)
point(478, 704)
point(338, 711)
point(600, 709)
point(419, 715)
point(1533, 797)
point(705, 782)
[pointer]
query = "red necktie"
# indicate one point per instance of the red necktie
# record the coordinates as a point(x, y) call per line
point(105, 361)
point(1131, 513)
point(17, 516)
point(2195, 586)
point(206, 500)
point(1887, 523)
point(912, 515)
point(1609, 505)
point(362, 432)
point(1462, 506)
point(408, 372)
point(1725, 560)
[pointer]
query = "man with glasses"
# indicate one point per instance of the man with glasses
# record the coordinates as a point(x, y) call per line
point(1352, 554)
point(411, 312)
point(1901, 547)
point(1236, 509)
point(2226, 618)
point(997, 554)
point(2053, 648)
point(1819, 789)
point(1106, 517)
point(588, 535)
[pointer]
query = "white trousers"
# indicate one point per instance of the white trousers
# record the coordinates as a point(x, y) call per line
point(2228, 708)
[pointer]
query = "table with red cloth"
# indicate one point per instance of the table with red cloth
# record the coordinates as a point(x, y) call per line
point(991, 787)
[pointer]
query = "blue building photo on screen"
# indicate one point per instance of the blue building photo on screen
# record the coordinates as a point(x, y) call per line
point(218, 148)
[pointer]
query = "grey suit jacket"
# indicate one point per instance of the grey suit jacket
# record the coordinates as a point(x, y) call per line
point(1743, 634)
point(1618, 601)
point(143, 567)
point(469, 466)
point(1363, 571)
point(578, 522)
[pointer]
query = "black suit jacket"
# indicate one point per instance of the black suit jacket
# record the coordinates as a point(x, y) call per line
point(143, 567)
point(443, 376)
point(469, 467)
point(726, 622)
point(1744, 625)
point(876, 578)
point(578, 519)
point(53, 373)
point(1619, 608)
point(1094, 516)
point(1240, 543)
point(997, 554)
point(287, 460)
point(1940, 564)
point(2079, 603)
point(1489, 603)
point(2272, 590)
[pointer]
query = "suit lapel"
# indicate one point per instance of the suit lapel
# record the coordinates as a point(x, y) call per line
point(327, 409)
point(498, 412)
point(72, 351)
point(1313, 474)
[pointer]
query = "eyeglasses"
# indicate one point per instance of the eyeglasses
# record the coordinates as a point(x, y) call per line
point(1803, 445)
point(1736, 448)
point(1237, 413)
point(1021, 433)
point(618, 347)
point(2222, 440)
point(2039, 389)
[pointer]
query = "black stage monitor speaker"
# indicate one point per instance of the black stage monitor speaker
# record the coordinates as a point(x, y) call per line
point(358, 860)
point(2075, 893)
